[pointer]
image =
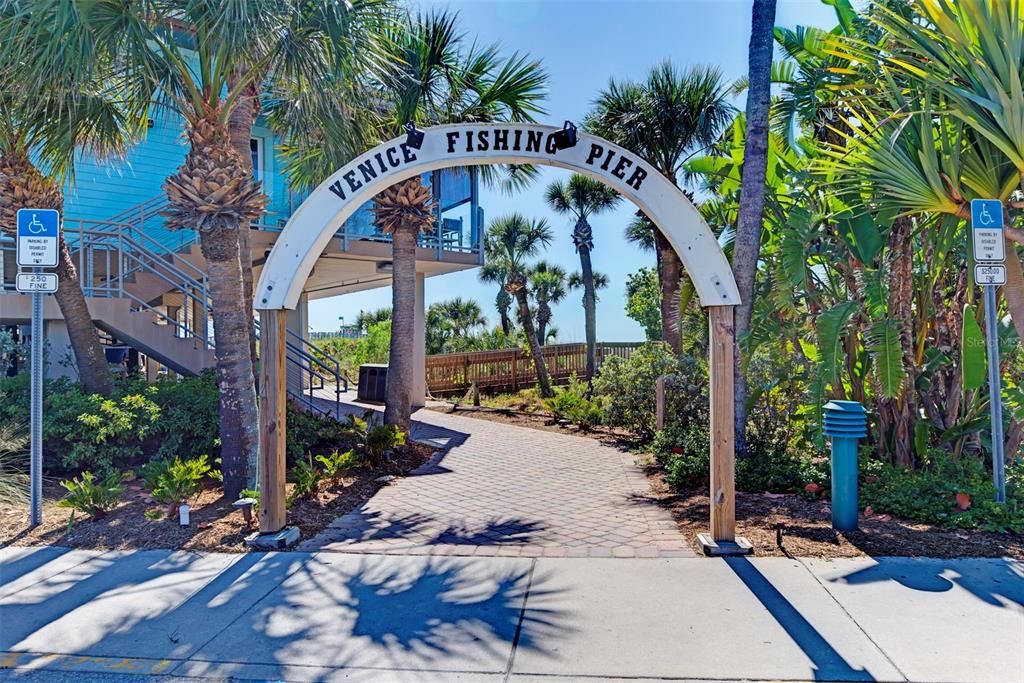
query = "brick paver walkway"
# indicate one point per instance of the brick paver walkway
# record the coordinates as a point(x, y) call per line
point(497, 489)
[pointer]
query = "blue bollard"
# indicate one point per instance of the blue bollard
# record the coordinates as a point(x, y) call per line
point(846, 423)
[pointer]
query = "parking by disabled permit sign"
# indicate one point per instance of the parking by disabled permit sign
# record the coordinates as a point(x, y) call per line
point(987, 230)
point(38, 234)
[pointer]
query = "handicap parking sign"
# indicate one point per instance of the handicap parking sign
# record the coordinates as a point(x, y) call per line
point(987, 230)
point(38, 234)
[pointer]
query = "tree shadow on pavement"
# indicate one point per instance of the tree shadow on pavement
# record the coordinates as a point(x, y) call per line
point(996, 582)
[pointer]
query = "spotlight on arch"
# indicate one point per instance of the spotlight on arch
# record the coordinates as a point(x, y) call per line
point(565, 138)
point(413, 136)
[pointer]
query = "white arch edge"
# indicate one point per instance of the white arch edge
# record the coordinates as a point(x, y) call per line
point(315, 222)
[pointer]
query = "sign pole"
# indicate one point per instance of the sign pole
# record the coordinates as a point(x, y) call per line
point(995, 394)
point(990, 272)
point(36, 430)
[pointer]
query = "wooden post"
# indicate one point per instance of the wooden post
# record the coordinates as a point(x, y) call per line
point(723, 453)
point(273, 422)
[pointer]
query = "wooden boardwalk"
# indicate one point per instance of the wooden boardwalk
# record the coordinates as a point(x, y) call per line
point(512, 369)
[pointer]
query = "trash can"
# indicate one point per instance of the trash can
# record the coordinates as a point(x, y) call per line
point(373, 382)
point(116, 354)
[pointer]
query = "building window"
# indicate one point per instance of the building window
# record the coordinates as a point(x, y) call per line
point(256, 153)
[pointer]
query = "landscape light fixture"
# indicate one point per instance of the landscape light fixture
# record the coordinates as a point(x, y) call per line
point(565, 138)
point(413, 136)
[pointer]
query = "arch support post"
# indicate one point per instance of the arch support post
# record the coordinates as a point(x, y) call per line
point(273, 532)
point(722, 539)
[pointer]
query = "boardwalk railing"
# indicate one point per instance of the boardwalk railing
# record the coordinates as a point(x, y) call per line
point(512, 369)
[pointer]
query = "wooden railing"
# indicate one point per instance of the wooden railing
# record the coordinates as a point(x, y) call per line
point(513, 369)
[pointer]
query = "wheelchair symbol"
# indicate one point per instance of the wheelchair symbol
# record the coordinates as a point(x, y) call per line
point(984, 217)
point(35, 226)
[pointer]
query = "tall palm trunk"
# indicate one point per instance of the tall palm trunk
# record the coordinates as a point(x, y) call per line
point(214, 193)
point(398, 404)
point(1013, 290)
point(747, 245)
point(543, 318)
point(240, 124)
point(23, 186)
point(670, 271)
point(231, 321)
point(503, 302)
point(543, 380)
point(85, 340)
point(582, 239)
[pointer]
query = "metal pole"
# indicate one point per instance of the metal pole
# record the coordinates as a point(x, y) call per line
point(36, 461)
point(995, 394)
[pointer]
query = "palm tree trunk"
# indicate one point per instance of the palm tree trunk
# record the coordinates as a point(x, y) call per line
point(531, 337)
point(397, 401)
point(543, 316)
point(1013, 290)
point(589, 310)
point(22, 185)
point(232, 320)
point(240, 123)
point(85, 340)
point(747, 245)
point(670, 270)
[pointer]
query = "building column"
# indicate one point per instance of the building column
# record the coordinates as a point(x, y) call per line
point(418, 395)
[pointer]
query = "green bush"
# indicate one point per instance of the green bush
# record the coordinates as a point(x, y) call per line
point(571, 403)
point(930, 493)
point(311, 433)
point(337, 463)
point(189, 415)
point(175, 481)
point(91, 498)
point(306, 479)
point(96, 433)
point(627, 387)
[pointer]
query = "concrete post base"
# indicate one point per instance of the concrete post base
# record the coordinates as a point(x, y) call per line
point(713, 548)
point(280, 540)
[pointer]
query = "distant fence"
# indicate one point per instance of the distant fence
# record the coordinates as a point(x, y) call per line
point(512, 369)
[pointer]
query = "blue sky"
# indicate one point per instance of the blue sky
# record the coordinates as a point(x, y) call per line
point(582, 44)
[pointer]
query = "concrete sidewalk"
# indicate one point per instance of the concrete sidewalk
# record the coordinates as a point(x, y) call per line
point(81, 615)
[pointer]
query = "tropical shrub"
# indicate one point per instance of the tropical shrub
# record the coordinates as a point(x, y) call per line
point(337, 463)
point(189, 415)
point(627, 386)
point(94, 498)
point(14, 476)
point(175, 481)
point(97, 433)
point(571, 403)
point(373, 441)
point(306, 479)
point(947, 491)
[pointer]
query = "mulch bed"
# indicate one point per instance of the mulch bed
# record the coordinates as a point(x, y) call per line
point(215, 524)
point(806, 528)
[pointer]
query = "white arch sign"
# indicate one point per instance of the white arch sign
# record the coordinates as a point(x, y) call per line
point(312, 226)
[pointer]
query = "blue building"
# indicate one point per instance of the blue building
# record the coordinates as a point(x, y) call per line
point(146, 285)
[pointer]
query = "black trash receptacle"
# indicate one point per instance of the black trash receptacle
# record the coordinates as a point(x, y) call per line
point(373, 381)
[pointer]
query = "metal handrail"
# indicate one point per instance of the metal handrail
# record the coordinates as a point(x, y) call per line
point(316, 372)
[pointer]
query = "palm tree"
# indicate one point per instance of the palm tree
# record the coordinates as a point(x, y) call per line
point(548, 286)
point(41, 132)
point(511, 242)
point(747, 243)
point(437, 79)
point(664, 119)
point(503, 300)
point(581, 198)
point(206, 59)
point(462, 315)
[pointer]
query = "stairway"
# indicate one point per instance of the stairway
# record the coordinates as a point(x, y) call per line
point(155, 297)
